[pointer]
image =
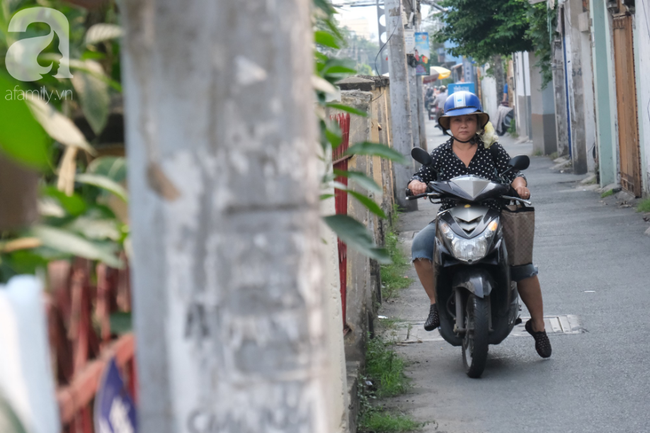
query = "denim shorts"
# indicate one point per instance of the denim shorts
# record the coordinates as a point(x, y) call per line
point(424, 245)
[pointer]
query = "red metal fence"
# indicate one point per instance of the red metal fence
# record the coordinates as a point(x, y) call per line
point(79, 303)
point(341, 199)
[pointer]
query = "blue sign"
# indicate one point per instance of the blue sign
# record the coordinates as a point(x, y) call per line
point(114, 407)
point(457, 87)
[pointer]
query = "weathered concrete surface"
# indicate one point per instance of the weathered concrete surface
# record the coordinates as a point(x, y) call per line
point(338, 391)
point(362, 273)
point(593, 261)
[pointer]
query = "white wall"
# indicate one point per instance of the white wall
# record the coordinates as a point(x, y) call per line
point(588, 89)
point(642, 62)
point(522, 93)
point(491, 97)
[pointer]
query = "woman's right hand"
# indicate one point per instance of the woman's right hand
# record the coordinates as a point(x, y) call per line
point(417, 187)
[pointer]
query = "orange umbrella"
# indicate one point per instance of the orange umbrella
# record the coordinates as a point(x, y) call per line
point(441, 72)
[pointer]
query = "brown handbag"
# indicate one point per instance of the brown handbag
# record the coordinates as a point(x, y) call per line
point(518, 224)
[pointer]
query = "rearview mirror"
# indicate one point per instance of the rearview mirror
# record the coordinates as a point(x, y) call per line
point(521, 162)
point(421, 156)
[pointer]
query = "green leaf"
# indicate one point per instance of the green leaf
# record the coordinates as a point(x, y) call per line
point(320, 56)
point(322, 85)
point(9, 421)
point(121, 323)
point(361, 179)
point(103, 182)
point(21, 136)
point(368, 202)
point(92, 228)
point(70, 243)
point(377, 149)
point(347, 109)
point(355, 235)
point(334, 137)
point(93, 95)
point(102, 32)
point(327, 39)
point(113, 167)
point(339, 70)
point(58, 126)
point(326, 196)
point(73, 204)
point(325, 6)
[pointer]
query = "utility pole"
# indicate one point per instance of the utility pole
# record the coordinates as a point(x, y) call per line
point(416, 88)
point(411, 12)
point(400, 105)
point(223, 173)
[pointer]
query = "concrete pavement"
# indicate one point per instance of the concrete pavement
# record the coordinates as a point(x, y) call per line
point(594, 266)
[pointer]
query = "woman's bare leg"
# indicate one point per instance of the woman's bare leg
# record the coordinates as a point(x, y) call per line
point(531, 294)
point(424, 268)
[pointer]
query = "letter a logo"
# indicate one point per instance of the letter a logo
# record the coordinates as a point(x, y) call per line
point(22, 56)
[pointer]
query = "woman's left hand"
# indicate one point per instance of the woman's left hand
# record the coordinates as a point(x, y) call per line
point(523, 192)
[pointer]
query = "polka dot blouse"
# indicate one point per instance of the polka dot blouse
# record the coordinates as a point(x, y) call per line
point(448, 166)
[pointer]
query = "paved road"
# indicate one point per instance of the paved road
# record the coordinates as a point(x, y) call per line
point(594, 263)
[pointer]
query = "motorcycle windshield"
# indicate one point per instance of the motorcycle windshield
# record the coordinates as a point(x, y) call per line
point(470, 188)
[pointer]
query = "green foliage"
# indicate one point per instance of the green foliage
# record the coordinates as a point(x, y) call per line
point(607, 193)
point(512, 129)
point(94, 58)
point(542, 22)
point(385, 369)
point(386, 422)
point(330, 69)
point(376, 149)
point(121, 323)
point(79, 224)
point(644, 205)
point(393, 276)
point(553, 156)
point(384, 377)
point(21, 137)
point(484, 28)
point(355, 234)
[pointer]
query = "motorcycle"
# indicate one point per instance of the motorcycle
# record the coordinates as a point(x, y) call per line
point(478, 304)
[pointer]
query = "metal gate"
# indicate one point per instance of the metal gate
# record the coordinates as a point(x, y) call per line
point(628, 128)
point(341, 199)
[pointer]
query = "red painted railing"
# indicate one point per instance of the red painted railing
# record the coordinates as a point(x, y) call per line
point(79, 302)
point(341, 200)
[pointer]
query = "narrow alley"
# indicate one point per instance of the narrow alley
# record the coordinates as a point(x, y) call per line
point(594, 271)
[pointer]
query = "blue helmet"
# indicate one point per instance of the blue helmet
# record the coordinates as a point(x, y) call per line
point(462, 103)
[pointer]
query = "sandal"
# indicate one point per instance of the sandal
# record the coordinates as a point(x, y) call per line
point(433, 321)
point(542, 343)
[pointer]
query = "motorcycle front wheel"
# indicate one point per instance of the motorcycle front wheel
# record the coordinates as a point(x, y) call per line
point(475, 343)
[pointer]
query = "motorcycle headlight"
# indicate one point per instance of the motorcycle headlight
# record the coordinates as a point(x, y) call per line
point(468, 250)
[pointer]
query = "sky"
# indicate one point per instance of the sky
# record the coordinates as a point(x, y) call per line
point(368, 12)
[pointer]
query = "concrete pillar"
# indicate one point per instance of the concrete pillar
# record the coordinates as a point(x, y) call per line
point(401, 121)
point(560, 99)
point(228, 272)
point(421, 108)
point(522, 92)
point(542, 116)
point(575, 71)
point(413, 103)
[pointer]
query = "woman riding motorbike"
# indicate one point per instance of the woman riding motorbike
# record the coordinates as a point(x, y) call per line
point(465, 153)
